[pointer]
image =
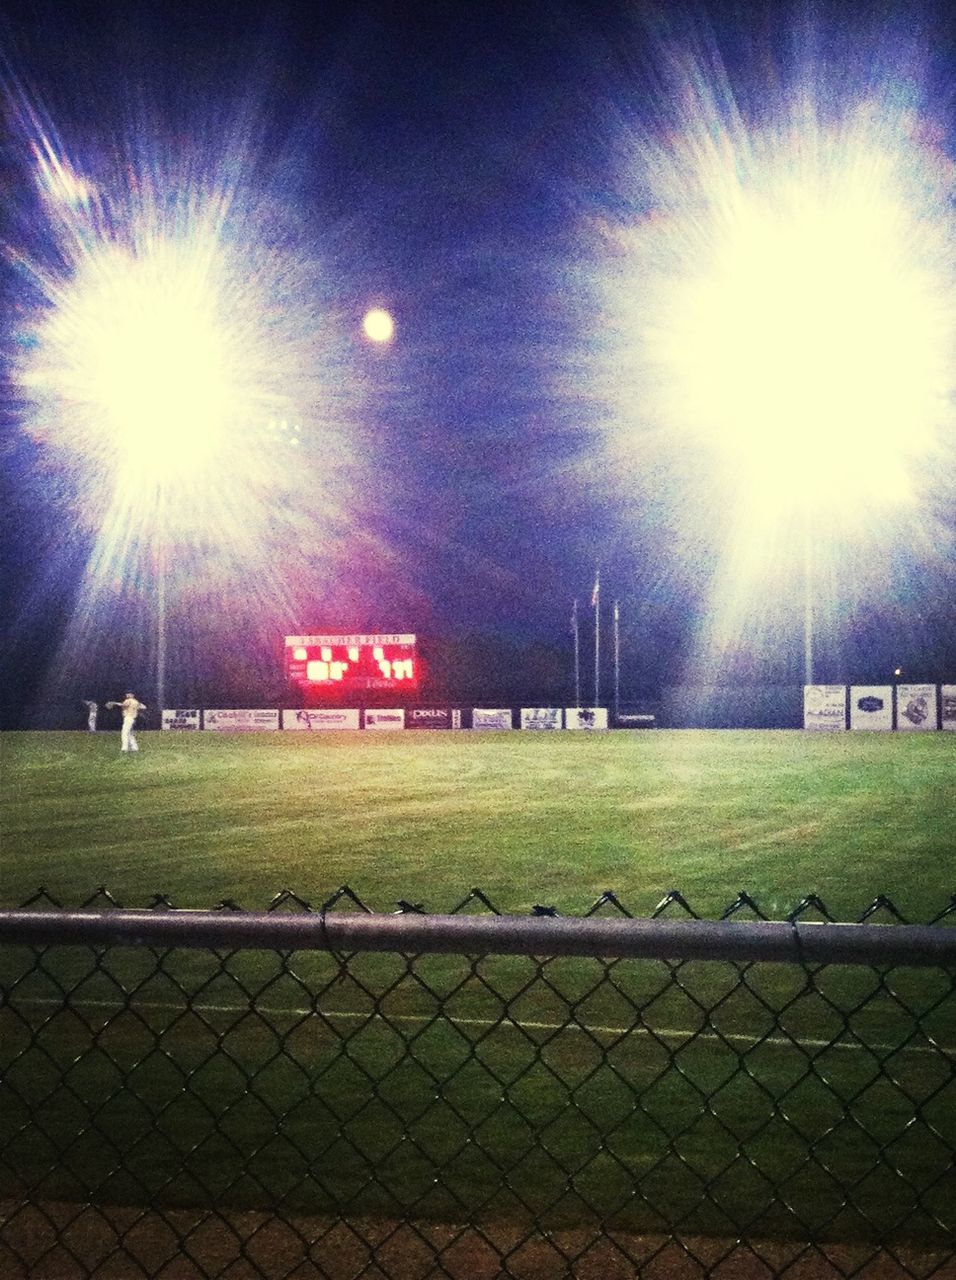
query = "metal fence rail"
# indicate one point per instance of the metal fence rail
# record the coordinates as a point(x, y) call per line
point(339, 1093)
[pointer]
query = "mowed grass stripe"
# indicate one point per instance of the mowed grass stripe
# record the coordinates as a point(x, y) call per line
point(553, 818)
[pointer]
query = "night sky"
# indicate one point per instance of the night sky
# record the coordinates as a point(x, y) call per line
point(479, 170)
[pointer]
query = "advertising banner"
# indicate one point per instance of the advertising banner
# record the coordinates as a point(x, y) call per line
point(321, 719)
point(915, 707)
point(541, 717)
point(385, 720)
point(245, 721)
point(180, 719)
point(486, 718)
point(871, 706)
point(824, 706)
point(585, 717)
point(948, 706)
point(635, 720)
point(432, 718)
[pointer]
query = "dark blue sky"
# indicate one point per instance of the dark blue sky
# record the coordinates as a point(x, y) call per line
point(465, 165)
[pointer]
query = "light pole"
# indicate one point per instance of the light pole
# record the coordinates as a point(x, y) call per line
point(807, 599)
point(161, 628)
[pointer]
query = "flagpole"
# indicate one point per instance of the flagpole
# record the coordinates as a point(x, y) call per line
point(596, 601)
point(617, 662)
point(577, 654)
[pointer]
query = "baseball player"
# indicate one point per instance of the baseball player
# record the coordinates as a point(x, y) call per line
point(92, 710)
point(130, 707)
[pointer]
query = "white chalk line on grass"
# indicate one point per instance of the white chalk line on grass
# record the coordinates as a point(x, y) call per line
point(512, 1024)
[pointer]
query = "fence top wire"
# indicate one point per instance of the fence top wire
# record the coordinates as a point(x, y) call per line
point(412, 933)
point(673, 904)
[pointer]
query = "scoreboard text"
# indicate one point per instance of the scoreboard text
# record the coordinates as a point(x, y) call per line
point(352, 663)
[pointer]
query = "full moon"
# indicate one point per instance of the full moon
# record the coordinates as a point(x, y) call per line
point(378, 325)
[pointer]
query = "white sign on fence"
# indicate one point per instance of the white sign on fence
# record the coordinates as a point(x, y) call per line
point(385, 720)
point(541, 717)
point(871, 706)
point(915, 707)
point(824, 706)
point(488, 718)
point(320, 719)
point(244, 721)
point(180, 719)
point(948, 706)
point(585, 717)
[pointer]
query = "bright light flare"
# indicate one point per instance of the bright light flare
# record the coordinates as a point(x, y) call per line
point(174, 331)
point(378, 325)
point(792, 309)
point(142, 352)
point(810, 336)
point(781, 321)
point(56, 178)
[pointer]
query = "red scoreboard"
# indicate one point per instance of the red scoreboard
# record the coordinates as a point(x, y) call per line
point(347, 664)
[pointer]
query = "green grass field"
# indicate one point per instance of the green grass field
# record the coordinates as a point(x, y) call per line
point(701, 1097)
point(553, 819)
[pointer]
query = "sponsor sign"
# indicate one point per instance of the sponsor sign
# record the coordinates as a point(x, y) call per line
point(585, 717)
point(245, 721)
point(948, 706)
point(541, 717)
point(432, 718)
point(180, 719)
point(824, 706)
point(635, 720)
point(871, 706)
point(385, 720)
point(915, 707)
point(321, 719)
point(486, 718)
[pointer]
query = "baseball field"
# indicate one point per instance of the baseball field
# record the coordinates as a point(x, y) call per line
point(697, 1096)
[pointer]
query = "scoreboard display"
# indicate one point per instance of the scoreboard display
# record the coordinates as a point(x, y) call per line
point(347, 664)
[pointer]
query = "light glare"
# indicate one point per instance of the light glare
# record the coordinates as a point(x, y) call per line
point(378, 325)
point(808, 337)
point(140, 353)
point(173, 328)
point(783, 308)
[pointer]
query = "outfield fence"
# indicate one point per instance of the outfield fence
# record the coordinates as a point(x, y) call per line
point(337, 1092)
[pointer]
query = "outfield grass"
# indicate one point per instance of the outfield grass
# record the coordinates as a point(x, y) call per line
point(553, 819)
point(706, 1098)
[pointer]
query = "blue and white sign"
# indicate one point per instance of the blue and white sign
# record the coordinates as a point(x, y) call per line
point(244, 720)
point(188, 720)
point(541, 717)
point(588, 718)
point(947, 701)
point(824, 707)
point(320, 719)
point(871, 706)
point(384, 721)
point(915, 707)
point(491, 718)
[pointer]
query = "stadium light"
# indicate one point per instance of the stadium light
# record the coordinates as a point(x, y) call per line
point(809, 337)
point(152, 365)
point(170, 343)
point(153, 377)
point(796, 320)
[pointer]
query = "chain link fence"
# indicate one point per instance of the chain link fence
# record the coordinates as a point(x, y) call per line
point(338, 1093)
